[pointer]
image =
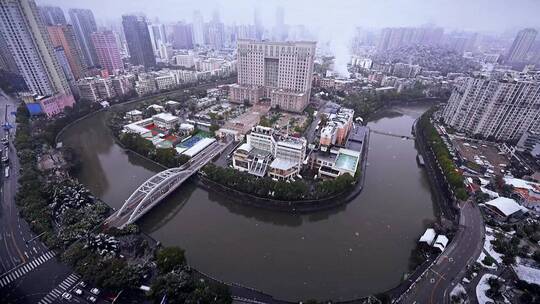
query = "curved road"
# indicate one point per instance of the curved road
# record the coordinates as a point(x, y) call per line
point(439, 280)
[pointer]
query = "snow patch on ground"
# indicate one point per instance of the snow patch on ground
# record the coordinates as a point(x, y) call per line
point(482, 287)
point(481, 259)
point(528, 274)
point(489, 248)
point(458, 290)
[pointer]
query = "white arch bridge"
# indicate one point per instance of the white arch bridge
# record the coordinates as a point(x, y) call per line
point(157, 187)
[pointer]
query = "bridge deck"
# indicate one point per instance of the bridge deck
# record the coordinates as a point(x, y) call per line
point(393, 135)
point(152, 191)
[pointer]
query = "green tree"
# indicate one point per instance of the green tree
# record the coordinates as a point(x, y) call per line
point(170, 258)
point(176, 285)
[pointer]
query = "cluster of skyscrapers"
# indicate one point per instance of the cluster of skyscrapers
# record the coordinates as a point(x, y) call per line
point(392, 38)
point(29, 44)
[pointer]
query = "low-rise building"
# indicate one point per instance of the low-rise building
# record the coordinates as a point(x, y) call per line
point(165, 121)
point(288, 158)
point(530, 142)
point(122, 84)
point(506, 208)
point(333, 164)
point(145, 85)
point(166, 82)
point(54, 105)
point(87, 89)
point(134, 115)
point(336, 129)
point(105, 88)
point(265, 152)
point(183, 76)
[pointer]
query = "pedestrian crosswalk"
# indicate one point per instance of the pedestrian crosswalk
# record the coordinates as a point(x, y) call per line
point(14, 274)
point(60, 289)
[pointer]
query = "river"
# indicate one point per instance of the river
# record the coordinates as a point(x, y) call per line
point(355, 250)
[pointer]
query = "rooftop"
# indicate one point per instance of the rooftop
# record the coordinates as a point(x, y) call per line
point(282, 164)
point(507, 206)
point(167, 117)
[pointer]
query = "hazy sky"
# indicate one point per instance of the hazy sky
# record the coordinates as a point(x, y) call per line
point(477, 15)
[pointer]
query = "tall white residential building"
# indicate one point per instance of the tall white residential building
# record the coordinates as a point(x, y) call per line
point(522, 45)
point(502, 110)
point(27, 40)
point(185, 60)
point(165, 51)
point(157, 35)
point(198, 28)
point(280, 71)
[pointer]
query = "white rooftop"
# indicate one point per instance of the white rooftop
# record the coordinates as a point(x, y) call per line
point(246, 147)
point(428, 236)
point(282, 164)
point(134, 112)
point(167, 117)
point(186, 126)
point(440, 242)
point(520, 183)
point(492, 194)
point(506, 205)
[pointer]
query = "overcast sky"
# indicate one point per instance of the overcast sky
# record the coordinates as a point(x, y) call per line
point(476, 15)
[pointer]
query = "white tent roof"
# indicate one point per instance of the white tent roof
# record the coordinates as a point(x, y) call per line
point(507, 206)
point(428, 236)
point(441, 242)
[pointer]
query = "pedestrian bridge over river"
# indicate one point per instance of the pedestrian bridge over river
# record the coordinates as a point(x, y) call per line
point(156, 188)
point(410, 137)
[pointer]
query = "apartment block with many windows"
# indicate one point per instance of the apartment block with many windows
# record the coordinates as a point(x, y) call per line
point(279, 71)
point(496, 109)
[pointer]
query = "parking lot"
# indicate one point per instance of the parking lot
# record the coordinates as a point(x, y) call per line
point(482, 154)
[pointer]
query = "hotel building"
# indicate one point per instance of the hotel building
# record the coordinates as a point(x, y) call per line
point(279, 71)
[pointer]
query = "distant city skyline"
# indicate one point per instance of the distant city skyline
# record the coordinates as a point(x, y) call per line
point(481, 15)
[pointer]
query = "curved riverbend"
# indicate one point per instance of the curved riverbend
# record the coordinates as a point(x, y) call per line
point(351, 251)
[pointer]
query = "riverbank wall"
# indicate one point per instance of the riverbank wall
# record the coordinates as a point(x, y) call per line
point(439, 187)
point(447, 211)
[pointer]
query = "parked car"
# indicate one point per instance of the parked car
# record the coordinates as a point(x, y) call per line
point(94, 291)
point(78, 291)
point(92, 299)
point(67, 296)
